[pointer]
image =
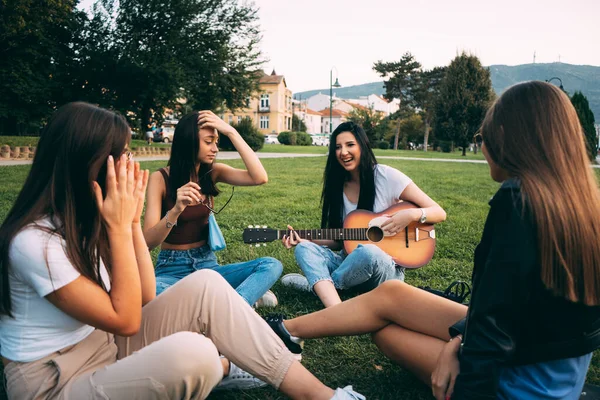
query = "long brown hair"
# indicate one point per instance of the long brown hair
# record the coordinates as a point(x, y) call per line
point(71, 154)
point(534, 134)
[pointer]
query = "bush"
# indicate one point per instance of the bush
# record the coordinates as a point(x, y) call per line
point(303, 139)
point(288, 138)
point(383, 145)
point(446, 146)
point(249, 133)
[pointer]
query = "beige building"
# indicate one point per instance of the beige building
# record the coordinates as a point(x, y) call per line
point(270, 109)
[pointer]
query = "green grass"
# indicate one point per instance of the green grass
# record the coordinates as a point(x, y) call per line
point(279, 148)
point(292, 196)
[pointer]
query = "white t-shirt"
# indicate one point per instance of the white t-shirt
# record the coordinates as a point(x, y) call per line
point(38, 266)
point(389, 185)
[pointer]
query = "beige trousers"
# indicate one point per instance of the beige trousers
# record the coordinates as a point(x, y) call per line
point(175, 354)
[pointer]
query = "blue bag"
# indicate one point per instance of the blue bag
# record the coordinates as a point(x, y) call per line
point(216, 241)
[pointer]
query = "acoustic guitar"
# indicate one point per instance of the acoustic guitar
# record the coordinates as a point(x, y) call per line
point(412, 247)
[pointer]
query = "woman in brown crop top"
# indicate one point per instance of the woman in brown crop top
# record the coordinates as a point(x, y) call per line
point(177, 217)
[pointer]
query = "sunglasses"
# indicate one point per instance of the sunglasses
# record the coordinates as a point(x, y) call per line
point(221, 209)
point(478, 139)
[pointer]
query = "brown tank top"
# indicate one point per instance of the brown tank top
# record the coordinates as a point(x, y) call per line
point(192, 224)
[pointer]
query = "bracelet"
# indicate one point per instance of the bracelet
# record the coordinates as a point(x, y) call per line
point(169, 224)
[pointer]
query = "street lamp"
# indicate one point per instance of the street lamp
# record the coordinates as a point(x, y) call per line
point(560, 80)
point(331, 86)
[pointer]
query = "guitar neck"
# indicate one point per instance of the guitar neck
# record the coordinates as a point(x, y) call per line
point(328, 234)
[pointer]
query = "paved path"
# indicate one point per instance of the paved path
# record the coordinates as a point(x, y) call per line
point(232, 155)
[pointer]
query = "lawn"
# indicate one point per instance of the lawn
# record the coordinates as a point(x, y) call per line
point(279, 148)
point(292, 196)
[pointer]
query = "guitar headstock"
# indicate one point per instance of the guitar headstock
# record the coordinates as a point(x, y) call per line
point(258, 234)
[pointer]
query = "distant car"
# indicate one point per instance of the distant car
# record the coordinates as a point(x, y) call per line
point(320, 140)
point(271, 139)
point(164, 134)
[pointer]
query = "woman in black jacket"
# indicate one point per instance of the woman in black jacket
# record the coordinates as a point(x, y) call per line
point(534, 319)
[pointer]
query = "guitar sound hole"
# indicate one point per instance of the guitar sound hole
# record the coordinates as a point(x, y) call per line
point(375, 234)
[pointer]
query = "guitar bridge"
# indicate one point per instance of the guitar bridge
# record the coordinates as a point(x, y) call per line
point(430, 234)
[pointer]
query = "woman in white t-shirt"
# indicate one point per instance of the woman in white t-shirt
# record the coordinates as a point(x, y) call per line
point(354, 180)
point(77, 288)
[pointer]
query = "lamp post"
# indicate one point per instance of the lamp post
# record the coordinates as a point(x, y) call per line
point(560, 80)
point(331, 86)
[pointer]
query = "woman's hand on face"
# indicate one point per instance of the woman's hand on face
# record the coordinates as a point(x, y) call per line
point(119, 208)
point(207, 119)
point(447, 369)
point(188, 195)
point(141, 194)
point(292, 240)
point(397, 222)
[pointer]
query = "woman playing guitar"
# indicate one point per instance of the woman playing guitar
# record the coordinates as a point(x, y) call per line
point(354, 180)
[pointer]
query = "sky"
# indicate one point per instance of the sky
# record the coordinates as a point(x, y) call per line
point(304, 39)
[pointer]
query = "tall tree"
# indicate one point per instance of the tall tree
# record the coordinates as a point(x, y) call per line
point(465, 95)
point(401, 79)
point(205, 51)
point(587, 120)
point(298, 125)
point(369, 119)
point(35, 52)
point(426, 95)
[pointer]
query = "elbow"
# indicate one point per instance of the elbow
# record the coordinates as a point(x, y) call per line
point(129, 329)
point(262, 180)
point(442, 215)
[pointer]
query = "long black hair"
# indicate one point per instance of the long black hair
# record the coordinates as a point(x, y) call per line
point(184, 157)
point(335, 176)
point(71, 154)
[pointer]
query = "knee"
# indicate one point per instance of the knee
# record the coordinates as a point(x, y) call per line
point(390, 289)
point(370, 252)
point(304, 248)
point(192, 357)
point(271, 265)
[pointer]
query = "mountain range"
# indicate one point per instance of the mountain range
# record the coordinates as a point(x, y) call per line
point(584, 78)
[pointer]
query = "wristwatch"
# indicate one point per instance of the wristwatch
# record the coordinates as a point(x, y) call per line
point(169, 224)
point(423, 216)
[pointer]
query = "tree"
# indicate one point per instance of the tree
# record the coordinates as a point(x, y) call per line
point(426, 94)
point(155, 52)
point(464, 96)
point(401, 80)
point(369, 119)
point(587, 120)
point(35, 51)
point(298, 125)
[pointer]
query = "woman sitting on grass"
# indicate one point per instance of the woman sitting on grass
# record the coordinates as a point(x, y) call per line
point(180, 199)
point(534, 316)
point(79, 317)
point(354, 180)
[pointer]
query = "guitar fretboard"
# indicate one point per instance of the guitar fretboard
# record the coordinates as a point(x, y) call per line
point(328, 234)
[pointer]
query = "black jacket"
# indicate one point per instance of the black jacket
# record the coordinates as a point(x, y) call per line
point(513, 319)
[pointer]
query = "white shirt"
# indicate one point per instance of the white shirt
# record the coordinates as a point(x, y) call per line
point(38, 266)
point(389, 185)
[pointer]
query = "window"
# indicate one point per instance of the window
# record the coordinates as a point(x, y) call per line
point(264, 101)
point(230, 119)
point(248, 101)
point(289, 124)
point(239, 119)
point(264, 122)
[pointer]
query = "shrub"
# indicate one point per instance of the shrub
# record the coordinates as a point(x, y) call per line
point(383, 145)
point(446, 146)
point(288, 138)
point(303, 139)
point(248, 132)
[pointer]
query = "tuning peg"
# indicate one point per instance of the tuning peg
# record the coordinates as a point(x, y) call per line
point(250, 226)
point(264, 244)
point(264, 227)
point(257, 245)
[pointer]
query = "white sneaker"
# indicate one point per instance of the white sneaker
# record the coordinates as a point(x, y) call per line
point(267, 300)
point(238, 379)
point(347, 394)
point(296, 281)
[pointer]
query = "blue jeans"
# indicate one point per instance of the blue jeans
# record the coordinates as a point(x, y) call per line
point(251, 279)
point(366, 267)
